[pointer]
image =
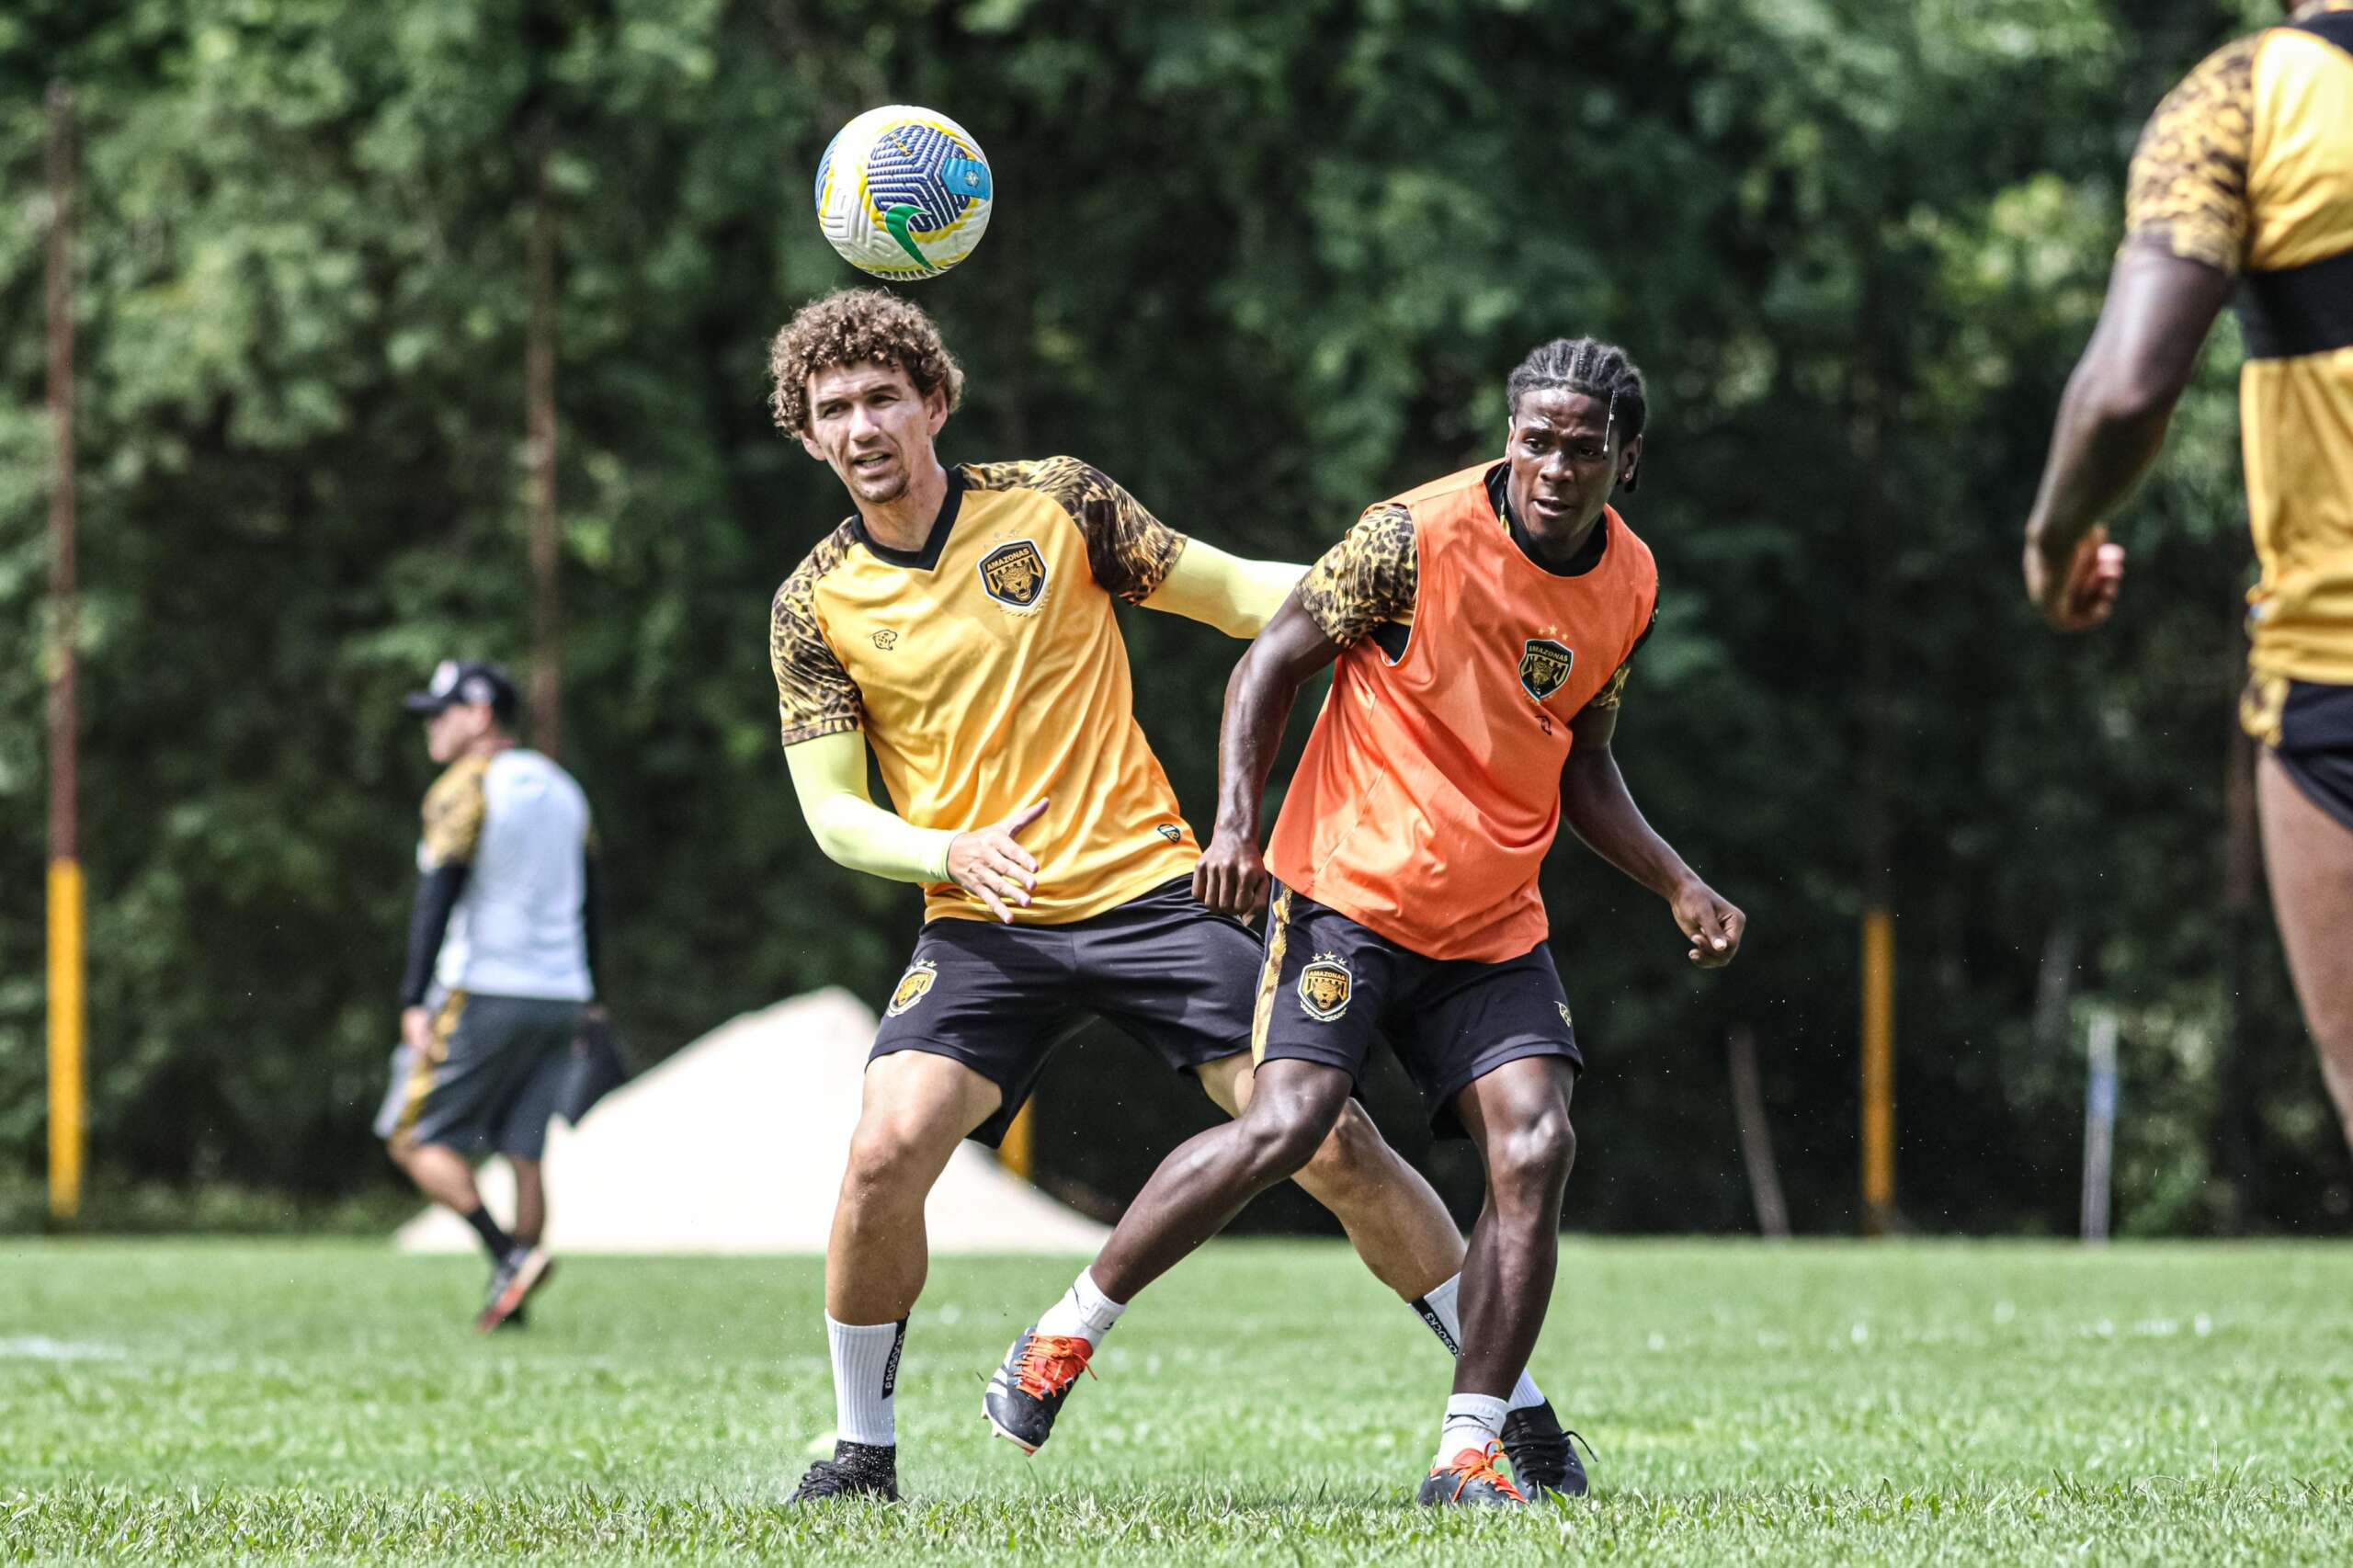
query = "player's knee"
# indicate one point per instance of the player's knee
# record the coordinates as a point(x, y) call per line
point(1280, 1140)
point(1538, 1155)
point(884, 1154)
point(1351, 1154)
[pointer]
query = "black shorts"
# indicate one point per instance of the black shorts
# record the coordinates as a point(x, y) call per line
point(1163, 969)
point(496, 1071)
point(1328, 986)
point(2315, 745)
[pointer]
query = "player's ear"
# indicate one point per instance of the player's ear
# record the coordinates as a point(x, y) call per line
point(935, 408)
point(1630, 465)
point(809, 444)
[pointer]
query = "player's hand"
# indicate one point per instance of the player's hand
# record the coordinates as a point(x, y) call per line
point(417, 1029)
point(2084, 595)
point(1711, 926)
point(990, 865)
point(1231, 876)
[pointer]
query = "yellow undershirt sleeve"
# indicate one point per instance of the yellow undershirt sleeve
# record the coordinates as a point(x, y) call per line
point(1237, 596)
point(829, 775)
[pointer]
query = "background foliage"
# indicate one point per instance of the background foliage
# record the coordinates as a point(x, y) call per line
point(1264, 263)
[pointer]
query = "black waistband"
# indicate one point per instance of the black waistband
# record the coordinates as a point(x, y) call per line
point(2336, 27)
point(2299, 309)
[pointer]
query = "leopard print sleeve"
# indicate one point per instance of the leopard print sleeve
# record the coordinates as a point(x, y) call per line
point(1128, 549)
point(814, 695)
point(1372, 575)
point(454, 809)
point(2187, 192)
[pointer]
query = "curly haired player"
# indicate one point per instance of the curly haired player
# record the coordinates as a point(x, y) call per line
point(960, 624)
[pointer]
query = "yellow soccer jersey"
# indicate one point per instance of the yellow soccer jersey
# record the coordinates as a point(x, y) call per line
point(987, 671)
point(2248, 167)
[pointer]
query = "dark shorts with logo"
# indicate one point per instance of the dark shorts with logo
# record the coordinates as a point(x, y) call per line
point(498, 1068)
point(1161, 968)
point(1328, 987)
point(2316, 745)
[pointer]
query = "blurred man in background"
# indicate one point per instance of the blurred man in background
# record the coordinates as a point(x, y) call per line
point(2243, 182)
point(501, 962)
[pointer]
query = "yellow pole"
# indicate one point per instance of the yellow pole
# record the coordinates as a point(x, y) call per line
point(1878, 1071)
point(65, 965)
point(65, 1020)
point(1018, 1153)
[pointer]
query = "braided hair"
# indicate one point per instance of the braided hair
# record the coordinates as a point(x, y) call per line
point(1591, 368)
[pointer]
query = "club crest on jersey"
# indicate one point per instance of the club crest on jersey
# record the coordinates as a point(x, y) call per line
point(1015, 575)
point(1544, 667)
point(1323, 987)
point(913, 986)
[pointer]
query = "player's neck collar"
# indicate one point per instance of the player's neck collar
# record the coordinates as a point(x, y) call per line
point(925, 559)
point(1589, 554)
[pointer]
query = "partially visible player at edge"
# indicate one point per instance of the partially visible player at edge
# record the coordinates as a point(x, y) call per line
point(1482, 626)
point(2243, 182)
point(960, 624)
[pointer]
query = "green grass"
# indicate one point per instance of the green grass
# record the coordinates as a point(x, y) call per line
point(1267, 1403)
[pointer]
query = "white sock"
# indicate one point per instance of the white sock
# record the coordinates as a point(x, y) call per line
point(1438, 1309)
point(1084, 1311)
point(866, 1379)
point(1473, 1421)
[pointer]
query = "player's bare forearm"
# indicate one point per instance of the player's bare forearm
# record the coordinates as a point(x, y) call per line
point(1600, 809)
point(2112, 421)
point(1232, 875)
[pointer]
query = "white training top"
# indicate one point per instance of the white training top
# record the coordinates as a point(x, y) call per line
point(521, 823)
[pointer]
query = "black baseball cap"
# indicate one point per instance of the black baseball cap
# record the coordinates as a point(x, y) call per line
point(462, 680)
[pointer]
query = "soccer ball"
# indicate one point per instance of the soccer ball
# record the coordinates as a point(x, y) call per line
point(904, 192)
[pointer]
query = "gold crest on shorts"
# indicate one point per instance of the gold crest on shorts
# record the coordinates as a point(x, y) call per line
point(1015, 575)
point(1323, 987)
point(913, 986)
point(1564, 1015)
point(1544, 667)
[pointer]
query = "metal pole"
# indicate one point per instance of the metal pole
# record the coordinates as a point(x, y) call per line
point(66, 963)
point(2099, 1126)
point(539, 375)
point(1878, 1071)
point(1756, 1135)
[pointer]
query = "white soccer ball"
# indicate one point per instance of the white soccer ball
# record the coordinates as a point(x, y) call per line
point(904, 192)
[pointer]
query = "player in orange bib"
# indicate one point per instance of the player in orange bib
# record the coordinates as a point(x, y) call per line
point(1482, 626)
point(2243, 184)
point(960, 625)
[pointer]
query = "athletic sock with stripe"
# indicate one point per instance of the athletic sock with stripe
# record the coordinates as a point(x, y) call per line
point(866, 1379)
point(1441, 1310)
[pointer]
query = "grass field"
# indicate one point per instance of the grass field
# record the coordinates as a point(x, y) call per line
point(1267, 1403)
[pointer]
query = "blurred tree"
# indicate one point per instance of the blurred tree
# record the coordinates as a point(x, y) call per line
point(1266, 264)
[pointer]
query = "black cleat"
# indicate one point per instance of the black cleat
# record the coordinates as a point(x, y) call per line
point(1542, 1458)
point(1470, 1479)
point(856, 1470)
point(518, 1274)
point(1028, 1391)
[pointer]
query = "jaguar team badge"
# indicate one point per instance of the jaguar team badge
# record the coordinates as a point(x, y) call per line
point(913, 986)
point(1014, 574)
point(1544, 667)
point(1323, 987)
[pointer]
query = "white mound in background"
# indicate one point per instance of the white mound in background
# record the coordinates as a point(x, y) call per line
point(736, 1144)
